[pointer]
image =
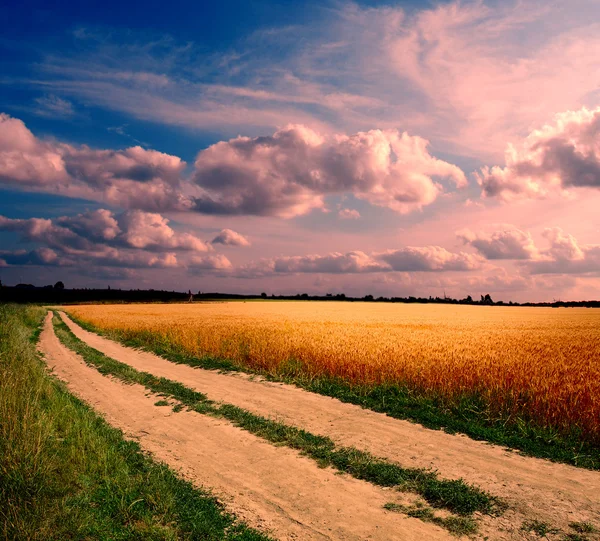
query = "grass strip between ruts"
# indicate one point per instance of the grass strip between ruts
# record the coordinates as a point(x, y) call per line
point(453, 495)
point(466, 416)
point(66, 474)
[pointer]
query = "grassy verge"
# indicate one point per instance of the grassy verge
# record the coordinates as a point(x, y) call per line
point(66, 474)
point(468, 415)
point(453, 495)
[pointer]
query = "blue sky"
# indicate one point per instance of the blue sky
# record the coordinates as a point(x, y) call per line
point(355, 146)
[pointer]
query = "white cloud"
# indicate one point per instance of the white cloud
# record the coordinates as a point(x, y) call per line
point(290, 172)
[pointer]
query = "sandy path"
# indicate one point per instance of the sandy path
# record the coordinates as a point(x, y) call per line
point(534, 488)
point(273, 488)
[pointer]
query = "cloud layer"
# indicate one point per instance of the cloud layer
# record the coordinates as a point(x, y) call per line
point(407, 259)
point(286, 174)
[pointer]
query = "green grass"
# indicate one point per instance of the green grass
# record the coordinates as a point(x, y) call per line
point(468, 415)
point(66, 474)
point(455, 525)
point(540, 528)
point(583, 527)
point(453, 495)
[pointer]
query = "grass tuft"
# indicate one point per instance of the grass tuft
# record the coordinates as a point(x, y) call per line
point(583, 527)
point(455, 525)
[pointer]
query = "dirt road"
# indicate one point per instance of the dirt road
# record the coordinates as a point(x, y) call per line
point(272, 488)
point(535, 489)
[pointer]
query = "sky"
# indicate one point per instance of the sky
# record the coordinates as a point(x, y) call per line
point(370, 148)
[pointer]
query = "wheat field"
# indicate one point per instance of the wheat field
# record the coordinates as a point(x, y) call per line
point(541, 364)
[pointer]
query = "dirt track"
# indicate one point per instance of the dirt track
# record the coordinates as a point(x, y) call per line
point(534, 488)
point(272, 488)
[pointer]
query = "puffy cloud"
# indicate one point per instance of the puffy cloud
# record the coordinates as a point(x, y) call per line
point(39, 256)
point(349, 214)
point(566, 256)
point(131, 240)
point(429, 259)
point(134, 177)
point(230, 238)
point(98, 225)
point(286, 174)
point(93, 230)
point(408, 259)
point(151, 231)
point(338, 263)
point(507, 244)
point(210, 262)
point(290, 172)
point(555, 158)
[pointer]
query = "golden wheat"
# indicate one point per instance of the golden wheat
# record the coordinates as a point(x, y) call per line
point(542, 363)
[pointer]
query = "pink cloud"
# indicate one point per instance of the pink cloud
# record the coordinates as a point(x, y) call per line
point(566, 256)
point(482, 77)
point(150, 230)
point(92, 230)
point(210, 262)
point(228, 237)
point(508, 244)
point(134, 177)
point(554, 159)
point(133, 239)
point(429, 259)
point(337, 263)
point(408, 259)
point(290, 172)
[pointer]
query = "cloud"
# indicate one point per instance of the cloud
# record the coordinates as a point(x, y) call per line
point(210, 262)
point(39, 256)
point(566, 256)
point(554, 159)
point(52, 106)
point(429, 259)
point(286, 174)
point(151, 231)
point(508, 244)
point(408, 259)
point(230, 238)
point(465, 72)
point(336, 263)
point(134, 177)
point(130, 240)
point(289, 173)
point(349, 214)
point(97, 229)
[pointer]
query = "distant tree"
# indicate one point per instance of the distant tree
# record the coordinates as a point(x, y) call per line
point(263, 295)
point(486, 299)
point(59, 285)
point(368, 297)
point(469, 299)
